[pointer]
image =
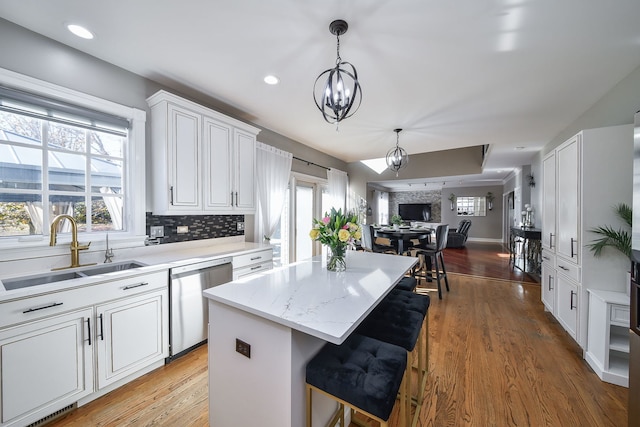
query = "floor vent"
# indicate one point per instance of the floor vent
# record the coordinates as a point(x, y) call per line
point(51, 417)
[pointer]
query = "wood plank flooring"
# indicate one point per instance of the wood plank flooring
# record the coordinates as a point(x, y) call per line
point(496, 359)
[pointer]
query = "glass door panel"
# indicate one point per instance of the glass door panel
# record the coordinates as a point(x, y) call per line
point(303, 221)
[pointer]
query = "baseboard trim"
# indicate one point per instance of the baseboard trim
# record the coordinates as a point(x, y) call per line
point(483, 240)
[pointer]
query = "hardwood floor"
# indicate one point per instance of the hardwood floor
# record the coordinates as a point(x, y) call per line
point(496, 359)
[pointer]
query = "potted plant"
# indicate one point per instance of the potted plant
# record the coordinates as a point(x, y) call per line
point(396, 220)
point(619, 239)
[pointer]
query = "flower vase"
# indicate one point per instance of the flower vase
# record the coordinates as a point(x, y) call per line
point(336, 258)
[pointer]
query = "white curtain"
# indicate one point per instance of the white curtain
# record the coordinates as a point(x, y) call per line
point(35, 211)
point(338, 181)
point(114, 206)
point(273, 168)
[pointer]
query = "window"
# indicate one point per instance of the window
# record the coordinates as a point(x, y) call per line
point(471, 206)
point(57, 157)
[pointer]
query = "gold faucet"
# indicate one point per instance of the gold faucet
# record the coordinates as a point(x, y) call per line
point(75, 247)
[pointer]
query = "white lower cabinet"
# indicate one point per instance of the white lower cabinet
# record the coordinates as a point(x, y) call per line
point(548, 281)
point(45, 365)
point(608, 339)
point(568, 299)
point(60, 348)
point(252, 263)
point(130, 335)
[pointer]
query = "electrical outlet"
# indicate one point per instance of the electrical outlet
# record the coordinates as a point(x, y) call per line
point(243, 348)
point(182, 229)
point(239, 226)
point(156, 231)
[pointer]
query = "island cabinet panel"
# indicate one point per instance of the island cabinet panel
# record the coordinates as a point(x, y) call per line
point(131, 335)
point(45, 365)
point(203, 161)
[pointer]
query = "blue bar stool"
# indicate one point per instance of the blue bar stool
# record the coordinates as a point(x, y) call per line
point(401, 319)
point(363, 373)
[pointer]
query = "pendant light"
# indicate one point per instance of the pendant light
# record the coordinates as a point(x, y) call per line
point(337, 92)
point(397, 157)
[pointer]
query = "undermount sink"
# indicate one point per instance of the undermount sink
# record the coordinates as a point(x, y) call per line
point(110, 268)
point(53, 277)
point(25, 282)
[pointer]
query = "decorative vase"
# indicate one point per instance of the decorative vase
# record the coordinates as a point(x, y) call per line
point(336, 258)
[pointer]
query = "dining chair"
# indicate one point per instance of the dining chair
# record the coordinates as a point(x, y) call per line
point(369, 243)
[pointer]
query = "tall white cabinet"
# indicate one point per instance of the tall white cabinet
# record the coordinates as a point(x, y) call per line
point(583, 179)
point(203, 162)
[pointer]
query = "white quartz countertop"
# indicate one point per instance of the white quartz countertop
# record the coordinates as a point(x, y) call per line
point(154, 257)
point(306, 297)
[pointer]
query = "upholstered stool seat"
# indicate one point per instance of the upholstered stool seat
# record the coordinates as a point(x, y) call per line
point(364, 373)
point(401, 319)
point(407, 284)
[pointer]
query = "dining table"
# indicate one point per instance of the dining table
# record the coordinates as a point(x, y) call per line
point(403, 236)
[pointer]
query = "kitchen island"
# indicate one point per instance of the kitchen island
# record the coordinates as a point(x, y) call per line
point(264, 330)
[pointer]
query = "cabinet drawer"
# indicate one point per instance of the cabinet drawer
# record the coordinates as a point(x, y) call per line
point(251, 269)
point(548, 258)
point(37, 307)
point(244, 260)
point(568, 269)
point(620, 315)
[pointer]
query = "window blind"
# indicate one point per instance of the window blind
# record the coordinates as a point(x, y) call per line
point(32, 105)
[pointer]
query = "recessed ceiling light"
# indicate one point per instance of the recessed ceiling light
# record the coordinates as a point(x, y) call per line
point(80, 31)
point(271, 80)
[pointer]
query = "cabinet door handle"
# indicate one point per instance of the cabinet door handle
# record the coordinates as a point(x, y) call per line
point(236, 198)
point(563, 267)
point(571, 300)
point(550, 281)
point(171, 195)
point(232, 198)
point(126, 288)
point(546, 258)
point(89, 329)
point(258, 267)
point(255, 258)
point(101, 328)
point(55, 304)
point(551, 240)
point(572, 242)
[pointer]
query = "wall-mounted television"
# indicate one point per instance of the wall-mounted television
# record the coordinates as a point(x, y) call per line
point(415, 211)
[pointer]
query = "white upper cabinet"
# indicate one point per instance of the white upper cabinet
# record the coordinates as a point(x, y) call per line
point(203, 161)
point(568, 201)
point(184, 152)
point(549, 234)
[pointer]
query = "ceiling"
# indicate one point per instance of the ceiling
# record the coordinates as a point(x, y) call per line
point(508, 73)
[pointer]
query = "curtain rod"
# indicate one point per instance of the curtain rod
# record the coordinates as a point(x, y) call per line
point(311, 163)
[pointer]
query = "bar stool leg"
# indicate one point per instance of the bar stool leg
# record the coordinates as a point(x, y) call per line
point(444, 271)
point(309, 402)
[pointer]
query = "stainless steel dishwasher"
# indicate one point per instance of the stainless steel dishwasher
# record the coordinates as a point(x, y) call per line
point(188, 309)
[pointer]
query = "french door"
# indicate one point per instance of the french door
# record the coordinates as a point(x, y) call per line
point(308, 199)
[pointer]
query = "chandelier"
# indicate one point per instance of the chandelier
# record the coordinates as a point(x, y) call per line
point(397, 158)
point(337, 92)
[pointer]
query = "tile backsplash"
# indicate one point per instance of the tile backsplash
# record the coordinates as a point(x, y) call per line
point(198, 227)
